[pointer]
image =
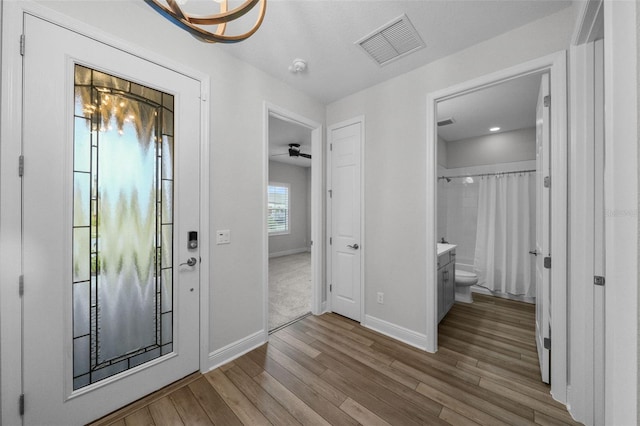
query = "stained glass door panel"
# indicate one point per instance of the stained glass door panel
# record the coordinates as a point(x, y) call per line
point(123, 225)
point(110, 192)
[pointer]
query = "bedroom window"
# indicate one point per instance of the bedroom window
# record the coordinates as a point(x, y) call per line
point(278, 208)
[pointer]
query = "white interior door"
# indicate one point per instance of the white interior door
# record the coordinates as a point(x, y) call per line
point(543, 226)
point(346, 253)
point(110, 191)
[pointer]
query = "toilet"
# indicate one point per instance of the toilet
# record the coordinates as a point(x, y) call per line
point(464, 281)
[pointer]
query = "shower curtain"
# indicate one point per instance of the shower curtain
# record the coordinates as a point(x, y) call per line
point(506, 233)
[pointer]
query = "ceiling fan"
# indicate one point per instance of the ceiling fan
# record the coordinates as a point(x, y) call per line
point(294, 151)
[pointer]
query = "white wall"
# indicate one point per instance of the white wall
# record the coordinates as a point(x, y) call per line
point(298, 238)
point(238, 92)
point(442, 152)
point(460, 199)
point(395, 113)
point(504, 147)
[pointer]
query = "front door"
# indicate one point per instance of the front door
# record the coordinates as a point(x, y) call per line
point(110, 193)
point(543, 225)
point(346, 253)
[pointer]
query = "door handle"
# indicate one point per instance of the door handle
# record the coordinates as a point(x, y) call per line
point(355, 246)
point(533, 252)
point(191, 262)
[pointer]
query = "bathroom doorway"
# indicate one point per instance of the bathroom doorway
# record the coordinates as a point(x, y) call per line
point(487, 218)
point(469, 164)
point(486, 184)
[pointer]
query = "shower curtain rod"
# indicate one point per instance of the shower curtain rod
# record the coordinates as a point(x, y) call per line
point(486, 174)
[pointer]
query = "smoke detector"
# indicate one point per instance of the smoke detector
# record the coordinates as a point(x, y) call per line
point(298, 66)
point(392, 41)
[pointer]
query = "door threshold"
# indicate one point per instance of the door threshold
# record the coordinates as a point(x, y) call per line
point(287, 324)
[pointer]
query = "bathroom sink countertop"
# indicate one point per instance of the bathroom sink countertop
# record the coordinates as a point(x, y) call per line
point(443, 248)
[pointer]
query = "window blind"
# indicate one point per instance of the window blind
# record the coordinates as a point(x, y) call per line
point(278, 208)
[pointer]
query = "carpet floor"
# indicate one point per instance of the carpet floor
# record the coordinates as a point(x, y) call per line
point(289, 288)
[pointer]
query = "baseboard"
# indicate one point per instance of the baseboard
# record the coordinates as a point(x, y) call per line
point(394, 331)
point(572, 409)
point(288, 252)
point(236, 349)
point(483, 290)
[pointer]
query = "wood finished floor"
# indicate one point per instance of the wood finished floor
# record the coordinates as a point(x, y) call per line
point(330, 370)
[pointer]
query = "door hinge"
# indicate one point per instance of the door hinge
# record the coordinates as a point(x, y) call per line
point(547, 343)
point(598, 280)
point(330, 288)
point(331, 193)
point(330, 240)
point(21, 285)
point(330, 147)
point(21, 165)
point(21, 404)
point(547, 101)
point(547, 181)
point(22, 44)
point(547, 262)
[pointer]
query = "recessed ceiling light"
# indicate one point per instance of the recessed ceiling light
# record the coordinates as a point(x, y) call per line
point(494, 129)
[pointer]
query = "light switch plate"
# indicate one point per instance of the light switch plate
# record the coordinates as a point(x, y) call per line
point(223, 236)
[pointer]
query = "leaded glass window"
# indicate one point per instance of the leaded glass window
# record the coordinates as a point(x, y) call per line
point(122, 225)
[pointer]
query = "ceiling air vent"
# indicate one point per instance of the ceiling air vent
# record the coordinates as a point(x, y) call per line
point(394, 40)
point(446, 121)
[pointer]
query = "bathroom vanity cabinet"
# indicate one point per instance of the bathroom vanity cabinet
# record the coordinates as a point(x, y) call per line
point(446, 282)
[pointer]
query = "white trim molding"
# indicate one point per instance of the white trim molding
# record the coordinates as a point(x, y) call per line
point(234, 350)
point(621, 212)
point(589, 25)
point(10, 215)
point(394, 331)
point(556, 65)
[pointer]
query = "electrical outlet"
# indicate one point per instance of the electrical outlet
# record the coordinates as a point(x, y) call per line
point(380, 297)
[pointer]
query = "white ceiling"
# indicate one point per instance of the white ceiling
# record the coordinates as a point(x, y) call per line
point(281, 134)
point(323, 33)
point(510, 106)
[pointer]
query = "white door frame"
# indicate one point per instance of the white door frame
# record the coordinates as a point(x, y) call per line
point(10, 189)
point(585, 394)
point(556, 65)
point(317, 245)
point(363, 245)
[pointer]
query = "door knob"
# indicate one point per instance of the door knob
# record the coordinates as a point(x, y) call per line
point(191, 262)
point(355, 246)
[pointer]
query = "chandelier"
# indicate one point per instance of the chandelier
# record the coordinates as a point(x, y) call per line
point(171, 10)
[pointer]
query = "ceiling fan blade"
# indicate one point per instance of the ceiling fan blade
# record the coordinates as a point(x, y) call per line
point(305, 155)
point(277, 155)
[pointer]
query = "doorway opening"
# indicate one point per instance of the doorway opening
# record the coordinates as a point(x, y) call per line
point(292, 218)
point(490, 221)
point(555, 66)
